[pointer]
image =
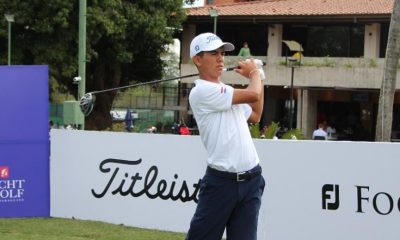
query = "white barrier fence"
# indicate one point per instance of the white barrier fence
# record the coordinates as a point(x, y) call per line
point(314, 189)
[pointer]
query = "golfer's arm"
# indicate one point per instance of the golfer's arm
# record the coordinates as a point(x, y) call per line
point(253, 95)
point(257, 108)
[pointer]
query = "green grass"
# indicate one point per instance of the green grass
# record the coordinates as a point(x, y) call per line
point(72, 229)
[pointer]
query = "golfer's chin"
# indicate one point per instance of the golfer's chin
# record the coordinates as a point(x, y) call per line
point(217, 72)
point(213, 76)
point(218, 75)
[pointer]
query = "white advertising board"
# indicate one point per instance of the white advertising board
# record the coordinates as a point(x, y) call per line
point(314, 189)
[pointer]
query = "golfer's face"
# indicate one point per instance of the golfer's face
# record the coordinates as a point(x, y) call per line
point(212, 63)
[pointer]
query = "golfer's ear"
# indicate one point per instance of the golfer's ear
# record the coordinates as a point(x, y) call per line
point(196, 60)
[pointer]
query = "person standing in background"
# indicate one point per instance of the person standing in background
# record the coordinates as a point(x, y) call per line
point(128, 120)
point(245, 50)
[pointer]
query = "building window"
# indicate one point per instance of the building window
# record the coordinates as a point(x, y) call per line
point(323, 40)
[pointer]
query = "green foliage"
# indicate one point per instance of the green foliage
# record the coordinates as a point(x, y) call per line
point(120, 127)
point(294, 134)
point(255, 130)
point(326, 62)
point(125, 40)
point(57, 228)
point(348, 65)
point(171, 68)
point(320, 62)
point(372, 63)
point(59, 93)
point(271, 130)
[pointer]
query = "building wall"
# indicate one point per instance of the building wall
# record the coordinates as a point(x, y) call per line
point(332, 74)
point(342, 73)
point(187, 36)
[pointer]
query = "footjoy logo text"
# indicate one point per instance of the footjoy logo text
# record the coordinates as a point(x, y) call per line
point(11, 190)
point(380, 202)
point(134, 184)
point(330, 197)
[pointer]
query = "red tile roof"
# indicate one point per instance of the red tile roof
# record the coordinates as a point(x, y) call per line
point(300, 8)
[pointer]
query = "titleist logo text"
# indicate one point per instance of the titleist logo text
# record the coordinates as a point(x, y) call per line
point(130, 183)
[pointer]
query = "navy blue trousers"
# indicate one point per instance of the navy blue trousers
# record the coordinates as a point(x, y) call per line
point(227, 203)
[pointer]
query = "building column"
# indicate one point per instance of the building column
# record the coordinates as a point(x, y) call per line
point(307, 112)
point(189, 32)
point(299, 112)
point(274, 40)
point(372, 37)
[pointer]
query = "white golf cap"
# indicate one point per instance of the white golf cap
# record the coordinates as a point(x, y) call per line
point(208, 42)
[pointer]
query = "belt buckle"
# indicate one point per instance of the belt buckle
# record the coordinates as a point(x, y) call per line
point(238, 179)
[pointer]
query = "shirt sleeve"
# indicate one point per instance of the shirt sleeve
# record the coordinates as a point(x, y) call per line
point(211, 97)
point(246, 110)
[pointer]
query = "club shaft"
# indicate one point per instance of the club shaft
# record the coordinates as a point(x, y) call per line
point(157, 81)
point(144, 83)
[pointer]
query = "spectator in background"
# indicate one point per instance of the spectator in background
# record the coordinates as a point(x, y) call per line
point(330, 130)
point(319, 133)
point(175, 127)
point(128, 120)
point(184, 130)
point(245, 50)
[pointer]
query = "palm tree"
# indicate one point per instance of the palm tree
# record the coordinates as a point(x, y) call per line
point(388, 87)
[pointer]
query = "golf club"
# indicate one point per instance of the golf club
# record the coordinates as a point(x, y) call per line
point(87, 101)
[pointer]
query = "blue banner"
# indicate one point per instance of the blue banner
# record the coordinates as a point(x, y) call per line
point(24, 142)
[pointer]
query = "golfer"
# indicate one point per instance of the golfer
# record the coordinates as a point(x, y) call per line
point(232, 187)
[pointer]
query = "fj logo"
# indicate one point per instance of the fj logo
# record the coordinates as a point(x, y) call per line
point(330, 197)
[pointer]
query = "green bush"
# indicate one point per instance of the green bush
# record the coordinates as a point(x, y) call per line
point(294, 134)
point(255, 130)
point(271, 130)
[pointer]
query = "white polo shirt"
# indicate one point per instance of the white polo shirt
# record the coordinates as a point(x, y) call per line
point(319, 133)
point(223, 127)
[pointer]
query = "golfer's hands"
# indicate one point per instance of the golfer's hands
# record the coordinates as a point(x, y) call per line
point(248, 69)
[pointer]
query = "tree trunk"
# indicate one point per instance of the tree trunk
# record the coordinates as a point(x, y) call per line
point(388, 87)
point(106, 76)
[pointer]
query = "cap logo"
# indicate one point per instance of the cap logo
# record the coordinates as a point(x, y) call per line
point(212, 38)
point(197, 48)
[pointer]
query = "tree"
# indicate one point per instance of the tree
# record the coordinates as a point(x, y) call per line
point(388, 87)
point(124, 42)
